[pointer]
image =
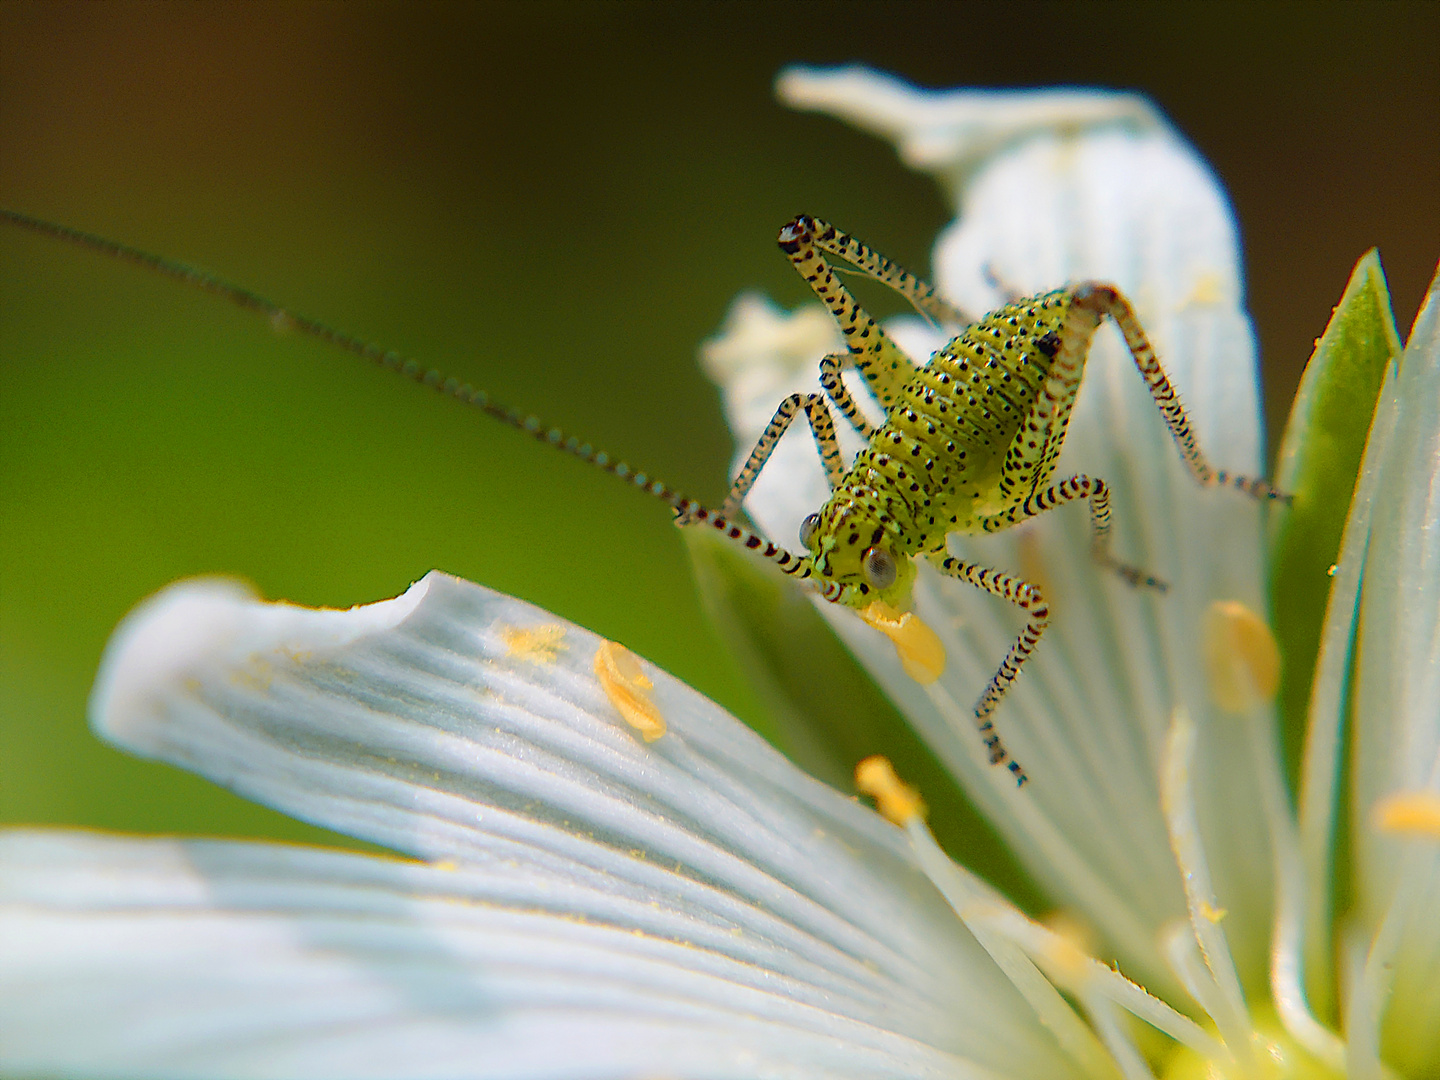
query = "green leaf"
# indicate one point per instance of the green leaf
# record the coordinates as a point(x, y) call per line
point(1319, 462)
point(827, 710)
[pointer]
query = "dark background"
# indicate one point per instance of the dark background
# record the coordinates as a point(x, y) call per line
point(557, 202)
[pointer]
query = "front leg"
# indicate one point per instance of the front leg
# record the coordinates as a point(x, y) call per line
point(1028, 599)
point(836, 391)
point(821, 426)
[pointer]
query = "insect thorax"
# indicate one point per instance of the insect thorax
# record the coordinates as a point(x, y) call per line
point(962, 442)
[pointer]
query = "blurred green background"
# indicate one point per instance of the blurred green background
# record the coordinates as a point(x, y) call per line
point(554, 201)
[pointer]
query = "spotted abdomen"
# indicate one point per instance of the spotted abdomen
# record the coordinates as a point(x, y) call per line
point(956, 444)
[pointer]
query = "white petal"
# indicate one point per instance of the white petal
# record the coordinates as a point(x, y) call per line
point(1098, 191)
point(948, 132)
point(457, 724)
point(1397, 720)
point(195, 958)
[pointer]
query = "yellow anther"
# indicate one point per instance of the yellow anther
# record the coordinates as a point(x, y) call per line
point(538, 644)
point(1414, 813)
point(896, 800)
point(1241, 657)
point(628, 688)
point(921, 654)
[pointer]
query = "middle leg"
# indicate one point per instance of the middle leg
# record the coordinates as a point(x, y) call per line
point(1097, 492)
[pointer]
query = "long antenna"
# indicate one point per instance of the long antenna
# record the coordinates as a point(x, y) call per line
point(686, 510)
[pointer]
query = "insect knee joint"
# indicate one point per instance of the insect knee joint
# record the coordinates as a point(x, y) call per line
point(797, 230)
point(1095, 296)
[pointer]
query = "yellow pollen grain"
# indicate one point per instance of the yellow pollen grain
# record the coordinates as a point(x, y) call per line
point(258, 674)
point(538, 644)
point(1409, 813)
point(921, 654)
point(628, 688)
point(896, 800)
point(1209, 290)
point(1241, 657)
point(1211, 913)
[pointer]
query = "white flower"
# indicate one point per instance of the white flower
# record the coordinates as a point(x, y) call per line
point(1108, 193)
point(577, 901)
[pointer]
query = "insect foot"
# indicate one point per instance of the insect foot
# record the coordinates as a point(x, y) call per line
point(1131, 575)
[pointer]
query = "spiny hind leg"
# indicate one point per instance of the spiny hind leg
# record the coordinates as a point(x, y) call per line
point(1097, 492)
point(821, 426)
point(1105, 300)
point(885, 366)
point(920, 293)
point(1028, 599)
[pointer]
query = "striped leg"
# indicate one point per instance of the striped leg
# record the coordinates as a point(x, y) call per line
point(821, 426)
point(884, 364)
point(921, 294)
point(687, 510)
point(1027, 598)
point(1106, 300)
point(836, 391)
point(1078, 487)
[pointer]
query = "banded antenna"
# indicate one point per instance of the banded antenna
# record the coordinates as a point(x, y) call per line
point(687, 510)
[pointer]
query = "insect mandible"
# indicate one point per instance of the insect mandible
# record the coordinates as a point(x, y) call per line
point(969, 442)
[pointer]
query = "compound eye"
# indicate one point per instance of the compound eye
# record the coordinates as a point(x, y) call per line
point(808, 528)
point(879, 566)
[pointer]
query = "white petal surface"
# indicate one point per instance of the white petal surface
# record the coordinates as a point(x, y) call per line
point(1101, 189)
point(1397, 718)
point(194, 958)
point(689, 907)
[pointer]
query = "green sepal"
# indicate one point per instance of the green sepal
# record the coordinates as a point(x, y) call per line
point(828, 712)
point(1318, 466)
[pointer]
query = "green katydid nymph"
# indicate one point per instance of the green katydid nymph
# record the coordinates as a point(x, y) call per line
point(969, 441)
